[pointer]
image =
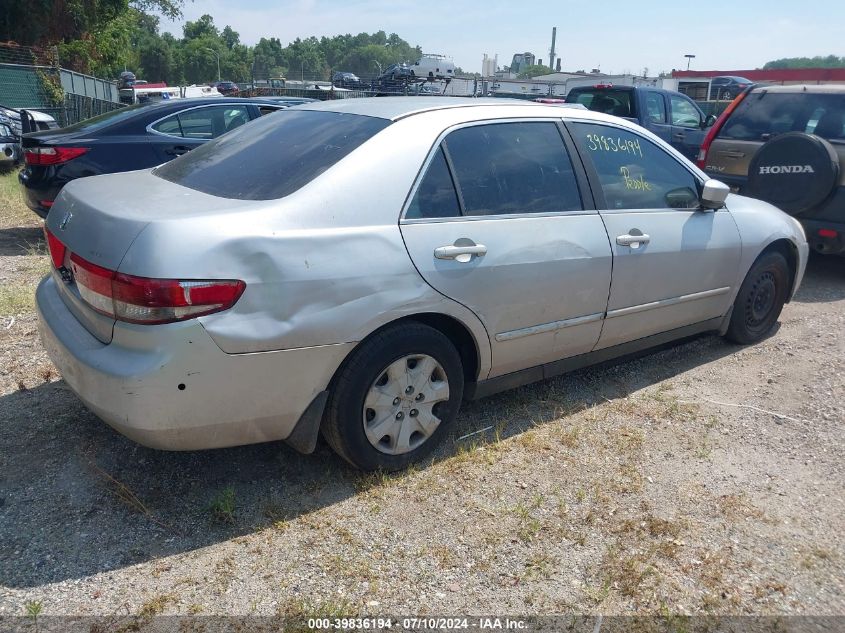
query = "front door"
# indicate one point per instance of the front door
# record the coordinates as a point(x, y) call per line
point(674, 264)
point(501, 222)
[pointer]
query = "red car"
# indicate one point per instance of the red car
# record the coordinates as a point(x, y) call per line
point(227, 88)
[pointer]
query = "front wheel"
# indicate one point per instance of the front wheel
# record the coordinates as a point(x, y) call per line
point(760, 299)
point(394, 398)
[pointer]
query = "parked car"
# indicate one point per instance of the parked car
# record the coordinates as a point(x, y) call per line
point(786, 145)
point(395, 72)
point(226, 88)
point(328, 269)
point(728, 87)
point(134, 137)
point(36, 121)
point(434, 67)
point(286, 101)
point(9, 147)
point(672, 116)
point(346, 80)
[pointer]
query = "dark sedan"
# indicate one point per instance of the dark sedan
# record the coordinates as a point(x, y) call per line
point(727, 87)
point(135, 137)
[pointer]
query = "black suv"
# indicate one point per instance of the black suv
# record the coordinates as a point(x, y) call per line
point(786, 145)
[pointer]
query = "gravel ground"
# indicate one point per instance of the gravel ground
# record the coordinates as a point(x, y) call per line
point(705, 478)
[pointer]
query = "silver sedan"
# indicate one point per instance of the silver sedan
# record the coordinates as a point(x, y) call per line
point(358, 267)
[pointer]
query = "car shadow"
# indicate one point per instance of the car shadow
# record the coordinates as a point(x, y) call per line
point(21, 240)
point(77, 498)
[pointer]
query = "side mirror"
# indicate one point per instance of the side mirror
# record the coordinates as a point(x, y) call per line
point(710, 120)
point(714, 194)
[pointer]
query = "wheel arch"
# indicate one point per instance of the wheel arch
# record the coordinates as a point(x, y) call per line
point(789, 250)
point(460, 335)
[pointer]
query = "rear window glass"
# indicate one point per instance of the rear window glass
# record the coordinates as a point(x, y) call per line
point(615, 102)
point(765, 114)
point(273, 156)
point(102, 120)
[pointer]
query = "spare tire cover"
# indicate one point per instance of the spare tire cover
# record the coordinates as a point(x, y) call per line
point(794, 171)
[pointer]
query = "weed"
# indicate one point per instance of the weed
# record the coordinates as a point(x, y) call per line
point(33, 610)
point(223, 506)
point(156, 605)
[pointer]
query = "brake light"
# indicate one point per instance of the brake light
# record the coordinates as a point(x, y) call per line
point(827, 233)
point(56, 248)
point(51, 155)
point(607, 85)
point(151, 301)
point(701, 161)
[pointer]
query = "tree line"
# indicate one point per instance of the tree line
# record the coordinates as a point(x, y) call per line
point(105, 37)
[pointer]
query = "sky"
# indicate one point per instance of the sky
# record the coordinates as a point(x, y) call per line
point(614, 36)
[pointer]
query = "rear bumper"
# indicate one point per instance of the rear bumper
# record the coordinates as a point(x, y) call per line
point(170, 386)
point(33, 195)
point(825, 236)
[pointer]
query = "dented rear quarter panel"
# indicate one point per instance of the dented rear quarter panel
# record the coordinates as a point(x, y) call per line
point(324, 265)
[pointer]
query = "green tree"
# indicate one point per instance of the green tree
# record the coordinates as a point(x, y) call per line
point(534, 71)
point(829, 61)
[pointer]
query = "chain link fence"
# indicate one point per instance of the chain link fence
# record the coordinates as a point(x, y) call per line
point(31, 78)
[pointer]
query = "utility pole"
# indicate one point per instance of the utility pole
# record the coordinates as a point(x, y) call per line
point(217, 55)
point(689, 57)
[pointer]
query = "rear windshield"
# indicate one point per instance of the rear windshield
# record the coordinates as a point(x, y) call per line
point(762, 115)
point(615, 102)
point(272, 157)
point(102, 120)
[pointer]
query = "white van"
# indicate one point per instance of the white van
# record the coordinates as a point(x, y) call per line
point(432, 66)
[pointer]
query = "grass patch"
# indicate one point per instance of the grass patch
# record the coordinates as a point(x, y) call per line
point(16, 299)
point(222, 507)
point(13, 211)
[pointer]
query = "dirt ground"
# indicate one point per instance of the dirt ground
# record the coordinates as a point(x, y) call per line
point(705, 478)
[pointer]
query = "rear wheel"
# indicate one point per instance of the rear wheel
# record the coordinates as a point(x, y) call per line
point(394, 398)
point(760, 300)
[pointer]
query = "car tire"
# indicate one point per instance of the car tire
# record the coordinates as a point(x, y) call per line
point(760, 299)
point(394, 398)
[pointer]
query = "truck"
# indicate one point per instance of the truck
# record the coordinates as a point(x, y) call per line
point(672, 116)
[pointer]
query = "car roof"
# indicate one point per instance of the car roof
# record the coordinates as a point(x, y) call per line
point(798, 88)
point(395, 108)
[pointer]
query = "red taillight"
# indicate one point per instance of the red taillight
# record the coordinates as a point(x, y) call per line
point(46, 203)
point(151, 301)
point(51, 155)
point(827, 233)
point(56, 248)
point(701, 161)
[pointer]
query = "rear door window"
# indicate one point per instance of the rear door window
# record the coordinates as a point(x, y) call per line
point(436, 196)
point(615, 102)
point(273, 156)
point(655, 106)
point(762, 115)
point(633, 172)
point(684, 114)
point(506, 168)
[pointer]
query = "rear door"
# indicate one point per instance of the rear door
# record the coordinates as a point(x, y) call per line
point(502, 221)
point(673, 264)
point(655, 115)
point(687, 125)
point(181, 132)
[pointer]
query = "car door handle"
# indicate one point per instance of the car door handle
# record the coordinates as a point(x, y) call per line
point(634, 241)
point(679, 136)
point(460, 252)
point(178, 150)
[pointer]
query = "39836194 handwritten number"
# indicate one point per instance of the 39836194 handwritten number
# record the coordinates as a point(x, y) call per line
point(601, 143)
